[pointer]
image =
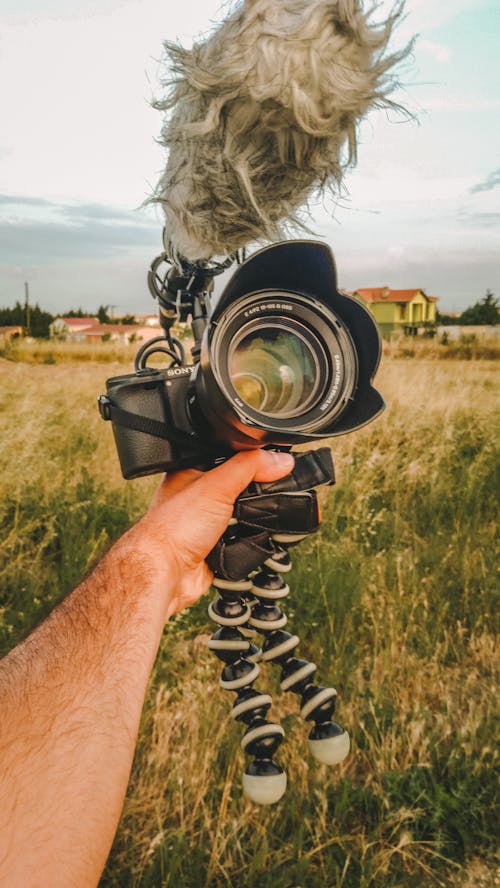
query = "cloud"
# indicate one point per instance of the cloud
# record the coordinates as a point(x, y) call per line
point(458, 102)
point(10, 200)
point(440, 52)
point(452, 275)
point(74, 210)
point(406, 187)
point(37, 243)
point(424, 15)
point(488, 184)
point(35, 230)
point(482, 220)
point(119, 279)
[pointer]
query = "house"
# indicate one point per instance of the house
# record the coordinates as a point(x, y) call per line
point(69, 328)
point(124, 333)
point(7, 333)
point(406, 310)
point(90, 330)
point(147, 320)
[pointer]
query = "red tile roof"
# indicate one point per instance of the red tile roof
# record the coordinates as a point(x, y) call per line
point(100, 329)
point(80, 322)
point(385, 294)
point(140, 331)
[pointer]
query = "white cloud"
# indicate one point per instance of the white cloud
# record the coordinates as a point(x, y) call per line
point(453, 102)
point(76, 126)
point(440, 52)
point(405, 185)
point(425, 15)
point(491, 182)
point(76, 118)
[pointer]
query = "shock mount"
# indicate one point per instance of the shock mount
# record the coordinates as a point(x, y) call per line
point(250, 563)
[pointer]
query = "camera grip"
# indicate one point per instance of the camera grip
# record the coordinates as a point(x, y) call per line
point(286, 506)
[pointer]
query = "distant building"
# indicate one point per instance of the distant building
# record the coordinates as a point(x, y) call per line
point(147, 320)
point(68, 328)
point(90, 330)
point(407, 310)
point(7, 333)
point(119, 333)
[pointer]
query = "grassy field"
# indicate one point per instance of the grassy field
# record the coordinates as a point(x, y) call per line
point(395, 600)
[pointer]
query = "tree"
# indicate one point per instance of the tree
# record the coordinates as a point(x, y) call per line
point(102, 314)
point(484, 312)
point(13, 317)
point(16, 317)
point(40, 322)
point(77, 313)
point(446, 320)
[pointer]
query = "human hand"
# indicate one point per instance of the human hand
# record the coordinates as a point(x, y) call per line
point(188, 513)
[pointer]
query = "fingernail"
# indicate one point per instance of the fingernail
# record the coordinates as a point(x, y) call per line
point(283, 460)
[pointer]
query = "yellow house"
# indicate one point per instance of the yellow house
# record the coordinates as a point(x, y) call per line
point(405, 310)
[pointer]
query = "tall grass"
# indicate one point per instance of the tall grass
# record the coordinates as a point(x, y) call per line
point(469, 346)
point(395, 601)
point(477, 344)
point(47, 351)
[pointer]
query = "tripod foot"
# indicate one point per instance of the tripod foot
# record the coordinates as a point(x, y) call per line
point(329, 743)
point(264, 782)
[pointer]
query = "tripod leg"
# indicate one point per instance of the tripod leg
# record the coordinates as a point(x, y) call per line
point(329, 742)
point(264, 781)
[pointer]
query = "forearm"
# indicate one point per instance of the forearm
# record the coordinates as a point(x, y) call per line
point(71, 695)
point(70, 700)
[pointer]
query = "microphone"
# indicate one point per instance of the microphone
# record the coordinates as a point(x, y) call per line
point(262, 116)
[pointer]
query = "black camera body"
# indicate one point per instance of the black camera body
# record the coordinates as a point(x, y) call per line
point(155, 397)
point(284, 359)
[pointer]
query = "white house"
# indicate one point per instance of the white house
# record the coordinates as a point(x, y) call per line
point(90, 330)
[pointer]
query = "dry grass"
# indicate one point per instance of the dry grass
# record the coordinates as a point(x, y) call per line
point(394, 600)
point(45, 351)
point(472, 344)
point(41, 406)
point(48, 413)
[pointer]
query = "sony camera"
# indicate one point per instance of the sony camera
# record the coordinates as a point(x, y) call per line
point(282, 359)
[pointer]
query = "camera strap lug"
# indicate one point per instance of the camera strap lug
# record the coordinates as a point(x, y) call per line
point(104, 405)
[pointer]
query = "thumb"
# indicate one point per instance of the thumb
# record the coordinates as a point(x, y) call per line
point(227, 481)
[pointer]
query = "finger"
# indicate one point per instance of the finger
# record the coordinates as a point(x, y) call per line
point(180, 480)
point(172, 484)
point(227, 481)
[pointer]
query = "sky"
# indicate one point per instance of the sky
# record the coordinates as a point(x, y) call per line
point(79, 155)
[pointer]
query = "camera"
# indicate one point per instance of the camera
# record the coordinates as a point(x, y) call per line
point(283, 358)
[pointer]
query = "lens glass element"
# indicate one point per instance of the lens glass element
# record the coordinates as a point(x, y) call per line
point(275, 369)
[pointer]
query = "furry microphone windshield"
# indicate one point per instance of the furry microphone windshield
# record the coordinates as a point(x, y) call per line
point(262, 115)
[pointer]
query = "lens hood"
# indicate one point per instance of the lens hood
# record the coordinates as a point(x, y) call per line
point(305, 269)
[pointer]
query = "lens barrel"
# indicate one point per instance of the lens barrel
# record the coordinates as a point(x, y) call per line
point(283, 363)
point(288, 362)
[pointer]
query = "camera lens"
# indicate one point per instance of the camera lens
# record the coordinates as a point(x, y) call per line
point(274, 365)
point(275, 369)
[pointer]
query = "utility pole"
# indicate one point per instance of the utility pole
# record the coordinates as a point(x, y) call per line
point(27, 308)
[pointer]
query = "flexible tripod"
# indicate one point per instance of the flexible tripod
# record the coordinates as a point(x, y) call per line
point(249, 564)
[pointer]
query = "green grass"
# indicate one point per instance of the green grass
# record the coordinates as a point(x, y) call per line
point(395, 600)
